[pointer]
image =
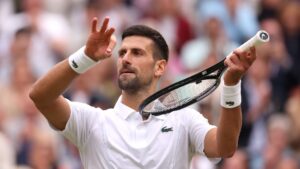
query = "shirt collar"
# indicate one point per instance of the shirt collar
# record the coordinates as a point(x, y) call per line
point(124, 111)
point(161, 117)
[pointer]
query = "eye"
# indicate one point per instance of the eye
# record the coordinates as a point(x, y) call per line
point(137, 52)
point(122, 53)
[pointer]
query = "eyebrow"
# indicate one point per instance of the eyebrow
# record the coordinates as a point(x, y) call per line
point(134, 48)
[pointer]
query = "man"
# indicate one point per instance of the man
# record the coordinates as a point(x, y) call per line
point(119, 137)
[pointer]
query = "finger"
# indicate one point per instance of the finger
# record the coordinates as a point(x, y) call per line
point(228, 62)
point(253, 52)
point(236, 63)
point(109, 33)
point(104, 25)
point(112, 44)
point(234, 55)
point(249, 58)
point(94, 24)
point(245, 57)
point(239, 53)
point(235, 59)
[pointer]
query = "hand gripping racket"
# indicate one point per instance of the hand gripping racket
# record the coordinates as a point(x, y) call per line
point(194, 88)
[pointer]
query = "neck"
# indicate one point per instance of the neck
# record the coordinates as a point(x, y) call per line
point(134, 98)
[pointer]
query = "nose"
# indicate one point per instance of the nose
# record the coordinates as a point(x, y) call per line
point(126, 59)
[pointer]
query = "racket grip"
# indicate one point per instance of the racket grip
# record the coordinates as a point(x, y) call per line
point(259, 38)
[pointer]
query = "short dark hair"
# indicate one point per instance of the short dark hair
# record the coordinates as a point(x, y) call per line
point(27, 30)
point(161, 48)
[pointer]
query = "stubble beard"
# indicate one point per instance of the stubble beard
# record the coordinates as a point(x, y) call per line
point(133, 85)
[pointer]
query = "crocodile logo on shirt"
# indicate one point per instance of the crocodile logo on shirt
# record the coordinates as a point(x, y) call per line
point(166, 129)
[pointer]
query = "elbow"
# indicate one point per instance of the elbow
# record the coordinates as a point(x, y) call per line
point(228, 152)
point(35, 96)
point(32, 94)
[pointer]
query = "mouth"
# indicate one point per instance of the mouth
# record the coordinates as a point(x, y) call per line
point(126, 71)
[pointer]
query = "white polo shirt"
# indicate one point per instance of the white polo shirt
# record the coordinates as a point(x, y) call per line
point(118, 138)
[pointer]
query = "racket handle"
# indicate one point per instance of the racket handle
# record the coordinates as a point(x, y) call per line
point(259, 38)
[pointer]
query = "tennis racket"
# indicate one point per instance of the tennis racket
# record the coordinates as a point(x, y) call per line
point(194, 88)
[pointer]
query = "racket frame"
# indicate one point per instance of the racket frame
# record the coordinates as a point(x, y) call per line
point(196, 78)
point(259, 38)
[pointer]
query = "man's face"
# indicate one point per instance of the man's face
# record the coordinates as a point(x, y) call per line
point(136, 65)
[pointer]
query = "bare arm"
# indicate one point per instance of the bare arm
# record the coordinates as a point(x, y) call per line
point(223, 140)
point(46, 92)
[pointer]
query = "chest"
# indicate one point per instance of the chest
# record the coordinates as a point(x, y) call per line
point(137, 134)
point(134, 141)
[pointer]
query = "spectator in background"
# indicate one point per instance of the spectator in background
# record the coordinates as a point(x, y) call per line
point(49, 35)
point(121, 14)
point(16, 74)
point(21, 117)
point(288, 13)
point(276, 144)
point(240, 160)
point(280, 61)
point(270, 8)
point(7, 152)
point(293, 109)
point(288, 163)
point(204, 51)
point(97, 87)
point(208, 48)
point(256, 103)
point(237, 17)
point(6, 9)
point(290, 17)
point(43, 153)
point(167, 17)
point(18, 49)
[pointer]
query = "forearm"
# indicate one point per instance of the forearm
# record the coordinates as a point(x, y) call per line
point(47, 89)
point(231, 116)
point(223, 141)
point(46, 92)
point(228, 131)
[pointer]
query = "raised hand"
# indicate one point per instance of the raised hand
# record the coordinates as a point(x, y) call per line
point(100, 43)
point(238, 64)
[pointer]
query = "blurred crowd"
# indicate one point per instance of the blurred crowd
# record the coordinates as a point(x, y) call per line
point(37, 34)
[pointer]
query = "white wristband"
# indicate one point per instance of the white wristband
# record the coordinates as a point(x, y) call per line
point(230, 95)
point(80, 62)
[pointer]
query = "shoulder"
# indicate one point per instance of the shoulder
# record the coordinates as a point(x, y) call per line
point(79, 107)
point(188, 115)
point(187, 112)
point(85, 110)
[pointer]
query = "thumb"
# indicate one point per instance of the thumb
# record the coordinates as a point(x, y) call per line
point(111, 45)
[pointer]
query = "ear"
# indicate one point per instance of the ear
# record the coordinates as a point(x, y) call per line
point(160, 67)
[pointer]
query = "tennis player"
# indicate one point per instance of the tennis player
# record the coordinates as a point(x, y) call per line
point(120, 138)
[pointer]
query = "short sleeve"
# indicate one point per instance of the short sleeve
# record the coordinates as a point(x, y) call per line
point(198, 127)
point(81, 122)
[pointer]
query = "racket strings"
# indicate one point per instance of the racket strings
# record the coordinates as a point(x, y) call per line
point(180, 96)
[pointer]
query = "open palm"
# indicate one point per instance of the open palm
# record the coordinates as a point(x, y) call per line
point(100, 42)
